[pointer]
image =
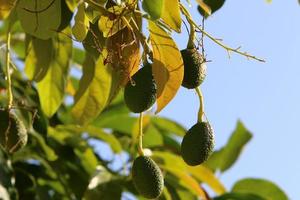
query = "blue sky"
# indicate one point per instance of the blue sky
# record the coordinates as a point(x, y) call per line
point(265, 96)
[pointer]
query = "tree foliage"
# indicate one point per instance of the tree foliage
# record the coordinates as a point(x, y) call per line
point(63, 67)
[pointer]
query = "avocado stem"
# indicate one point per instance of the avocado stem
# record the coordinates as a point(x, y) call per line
point(201, 101)
point(188, 16)
point(140, 136)
point(9, 90)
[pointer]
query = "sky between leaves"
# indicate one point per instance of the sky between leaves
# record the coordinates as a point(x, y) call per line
point(265, 96)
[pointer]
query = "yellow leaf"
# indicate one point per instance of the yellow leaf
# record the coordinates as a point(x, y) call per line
point(205, 7)
point(167, 65)
point(110, 25)
point(200, 173)
point(204, 174)
point(171, 14)
point(5, 8)
point(189, 181)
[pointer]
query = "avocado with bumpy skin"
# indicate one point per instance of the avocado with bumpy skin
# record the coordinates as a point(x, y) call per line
point(194, 68)
point(198, 143)
point(13, 134)
point(147, 177)
point(140, 93)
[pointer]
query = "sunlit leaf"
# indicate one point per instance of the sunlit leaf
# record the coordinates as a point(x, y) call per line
point(81, 25)
point(110, 25)
point(39, 18)
point(153, 8)
point(94, 89)
point(171, 14)
point(52, 88)
point(189, 181)
point(167, 65)
point(39, 58)
point(205, 175)
point(200, 173)
point(224, 158)
point(259, 187)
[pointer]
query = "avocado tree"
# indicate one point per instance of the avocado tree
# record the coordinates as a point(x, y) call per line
point(72, 75)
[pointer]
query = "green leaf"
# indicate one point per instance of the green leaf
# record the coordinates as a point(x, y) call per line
point(94, 90)
point(52, 88)
point(39, 58)
point(214, 5)
point(224, 158)
point(66, 16)
point(152, 137)
point(260, 187)
point(171, 14)
point(39, 18)
point(169, 126)
point(81, 25)
point(153, 8)
point(237, 196)
point(48, 151)
point(167, 65)
point(78, 56)
point(106, 137)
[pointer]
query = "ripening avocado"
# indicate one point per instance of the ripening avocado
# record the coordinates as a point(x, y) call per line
point(194, 68)
point(147, 177)
point(140, 93)
point(198, 143)
point(13, 134)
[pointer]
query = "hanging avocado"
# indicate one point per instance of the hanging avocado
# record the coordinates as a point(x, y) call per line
point(13, 134)
point(147, 177)
point(140, 94)
point(194, 68)
point(198, 143)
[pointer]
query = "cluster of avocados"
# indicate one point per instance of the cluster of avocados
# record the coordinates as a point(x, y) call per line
point(139, 96)
point(13, 134)
point(197, 144)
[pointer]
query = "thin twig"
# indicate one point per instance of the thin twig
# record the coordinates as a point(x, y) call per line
point(227, 48)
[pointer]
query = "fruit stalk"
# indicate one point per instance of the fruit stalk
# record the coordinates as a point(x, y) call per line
point(9, 90)
point(188, 16)
point(201, 101)
point(140, 136)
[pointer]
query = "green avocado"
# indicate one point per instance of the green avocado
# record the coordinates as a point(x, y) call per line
point(198, 143)
point(147, 177)
point(13, 134)
point(140, 93)
point(194, 68)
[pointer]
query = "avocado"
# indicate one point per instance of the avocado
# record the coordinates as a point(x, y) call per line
point(194, 68)
point(147, 177)
point(13, 134)
point(140, 93)
point(198, 143)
